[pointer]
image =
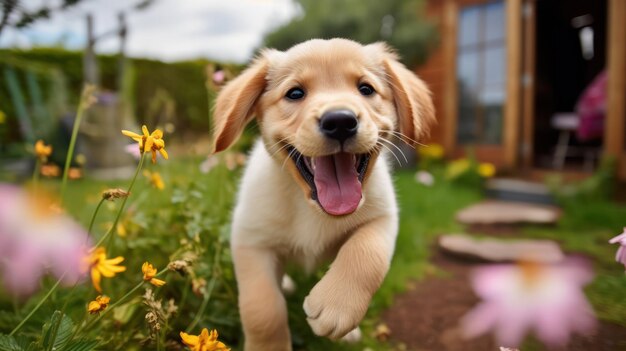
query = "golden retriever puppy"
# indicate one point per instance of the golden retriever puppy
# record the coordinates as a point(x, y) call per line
point(317, 186)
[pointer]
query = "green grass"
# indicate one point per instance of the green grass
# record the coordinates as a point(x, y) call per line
point(191, 217)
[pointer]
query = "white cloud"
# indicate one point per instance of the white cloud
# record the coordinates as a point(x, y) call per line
point(168, 30)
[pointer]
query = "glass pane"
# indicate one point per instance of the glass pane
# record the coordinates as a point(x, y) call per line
point(493, 110)
point(494, 65)
point(469, 26)
point(494, 21)
point(466, 127)
point(467, 69)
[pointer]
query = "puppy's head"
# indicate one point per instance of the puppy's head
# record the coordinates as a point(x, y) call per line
point(326, 108)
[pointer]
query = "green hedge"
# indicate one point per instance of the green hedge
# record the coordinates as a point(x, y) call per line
point(181, 83)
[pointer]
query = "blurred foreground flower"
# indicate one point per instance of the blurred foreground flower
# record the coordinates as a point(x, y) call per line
point(100, 265)
point(149, 142)
point(204, 342)
point(99, 304)
point(155, 179)
point(149, 272)
point(35, 237)
point(425, 178)
point(42, 151)
point(620, 255)
point(517, 298)
point(3, 117)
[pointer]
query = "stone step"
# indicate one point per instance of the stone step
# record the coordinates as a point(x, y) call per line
point(497, 250)
point(508, 212)
point(510, 189)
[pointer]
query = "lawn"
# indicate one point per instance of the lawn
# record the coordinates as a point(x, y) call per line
point(189, 220)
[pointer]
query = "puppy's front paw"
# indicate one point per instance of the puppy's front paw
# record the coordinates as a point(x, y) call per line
point(334, 311)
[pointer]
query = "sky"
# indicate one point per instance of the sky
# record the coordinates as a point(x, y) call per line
point(168, 30)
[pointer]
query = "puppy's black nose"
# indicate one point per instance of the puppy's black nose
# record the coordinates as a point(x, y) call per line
point(339, 124)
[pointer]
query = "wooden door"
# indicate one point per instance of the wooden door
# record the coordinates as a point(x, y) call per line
point(482, 101)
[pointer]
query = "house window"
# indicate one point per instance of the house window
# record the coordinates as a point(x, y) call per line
point(481, 73)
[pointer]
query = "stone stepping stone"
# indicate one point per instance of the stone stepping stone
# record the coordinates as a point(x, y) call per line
point(496, 250)
point(508, 212)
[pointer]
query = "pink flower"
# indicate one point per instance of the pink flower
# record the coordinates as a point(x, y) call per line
point(425, 178)
point(218, 77)
point(207, 165)
point(516, 299)
point(620, 255)
point(36, 238)
point(133, 150)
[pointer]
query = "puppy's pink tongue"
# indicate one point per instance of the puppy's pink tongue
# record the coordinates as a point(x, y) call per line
point(337, 183)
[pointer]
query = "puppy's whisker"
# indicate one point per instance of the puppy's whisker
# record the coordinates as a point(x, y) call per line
point(281, 148)
point(397, 148)
point(289, 156)
point(282, 140)
point(403, 137)
point(388, 149)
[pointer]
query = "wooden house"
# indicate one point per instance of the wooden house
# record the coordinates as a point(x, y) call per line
point(504, 70)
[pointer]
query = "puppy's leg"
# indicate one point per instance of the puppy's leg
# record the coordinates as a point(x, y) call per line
point(338, 302)
point(261, 302)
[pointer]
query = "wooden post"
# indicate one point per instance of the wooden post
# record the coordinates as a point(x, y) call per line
point(616, 85)
point(90, 61)
point(123, 33)
point(528, 84)
point(513, 9)
point(449, 48)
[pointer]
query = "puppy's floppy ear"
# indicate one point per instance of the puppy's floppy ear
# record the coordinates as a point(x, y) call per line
point(234, 107)
point(411, 96)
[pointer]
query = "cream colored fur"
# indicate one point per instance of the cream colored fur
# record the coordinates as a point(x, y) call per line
point(275, 221)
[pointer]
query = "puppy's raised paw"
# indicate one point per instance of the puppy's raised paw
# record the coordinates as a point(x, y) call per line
point(334, 312)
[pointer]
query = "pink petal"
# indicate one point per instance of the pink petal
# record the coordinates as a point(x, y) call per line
point(479, 320)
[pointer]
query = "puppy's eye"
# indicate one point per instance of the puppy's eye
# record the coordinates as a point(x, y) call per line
point(366, 89)
point(295, 94)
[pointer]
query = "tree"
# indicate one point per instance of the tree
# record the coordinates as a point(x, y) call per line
point(27, 16)
point(398, 22)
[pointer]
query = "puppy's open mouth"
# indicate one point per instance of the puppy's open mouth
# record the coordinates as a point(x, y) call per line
point(335, 180)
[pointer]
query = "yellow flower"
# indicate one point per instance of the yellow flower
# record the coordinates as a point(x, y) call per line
point(204, 342)
point(3, 117)
point(99, 304)
point(149, 272)
point(457, 167)
point(121, 229)
point(486, 170)
point(149, 142)
point(155, 179)
point(42, 151)
point(101, 266)
point(433, 151)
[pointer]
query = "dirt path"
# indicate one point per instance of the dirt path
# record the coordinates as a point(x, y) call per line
point(425, 318)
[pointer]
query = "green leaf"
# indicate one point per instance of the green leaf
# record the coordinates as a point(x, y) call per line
point(82, 345)
point(8, 343)
point(57, 332)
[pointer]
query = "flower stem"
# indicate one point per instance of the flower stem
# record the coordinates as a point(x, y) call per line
point(119, 212)
point(37, 306)
point(82, 107)
point(36, 172)
point(122, 299)
point(93, 217)
point(207, 296)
